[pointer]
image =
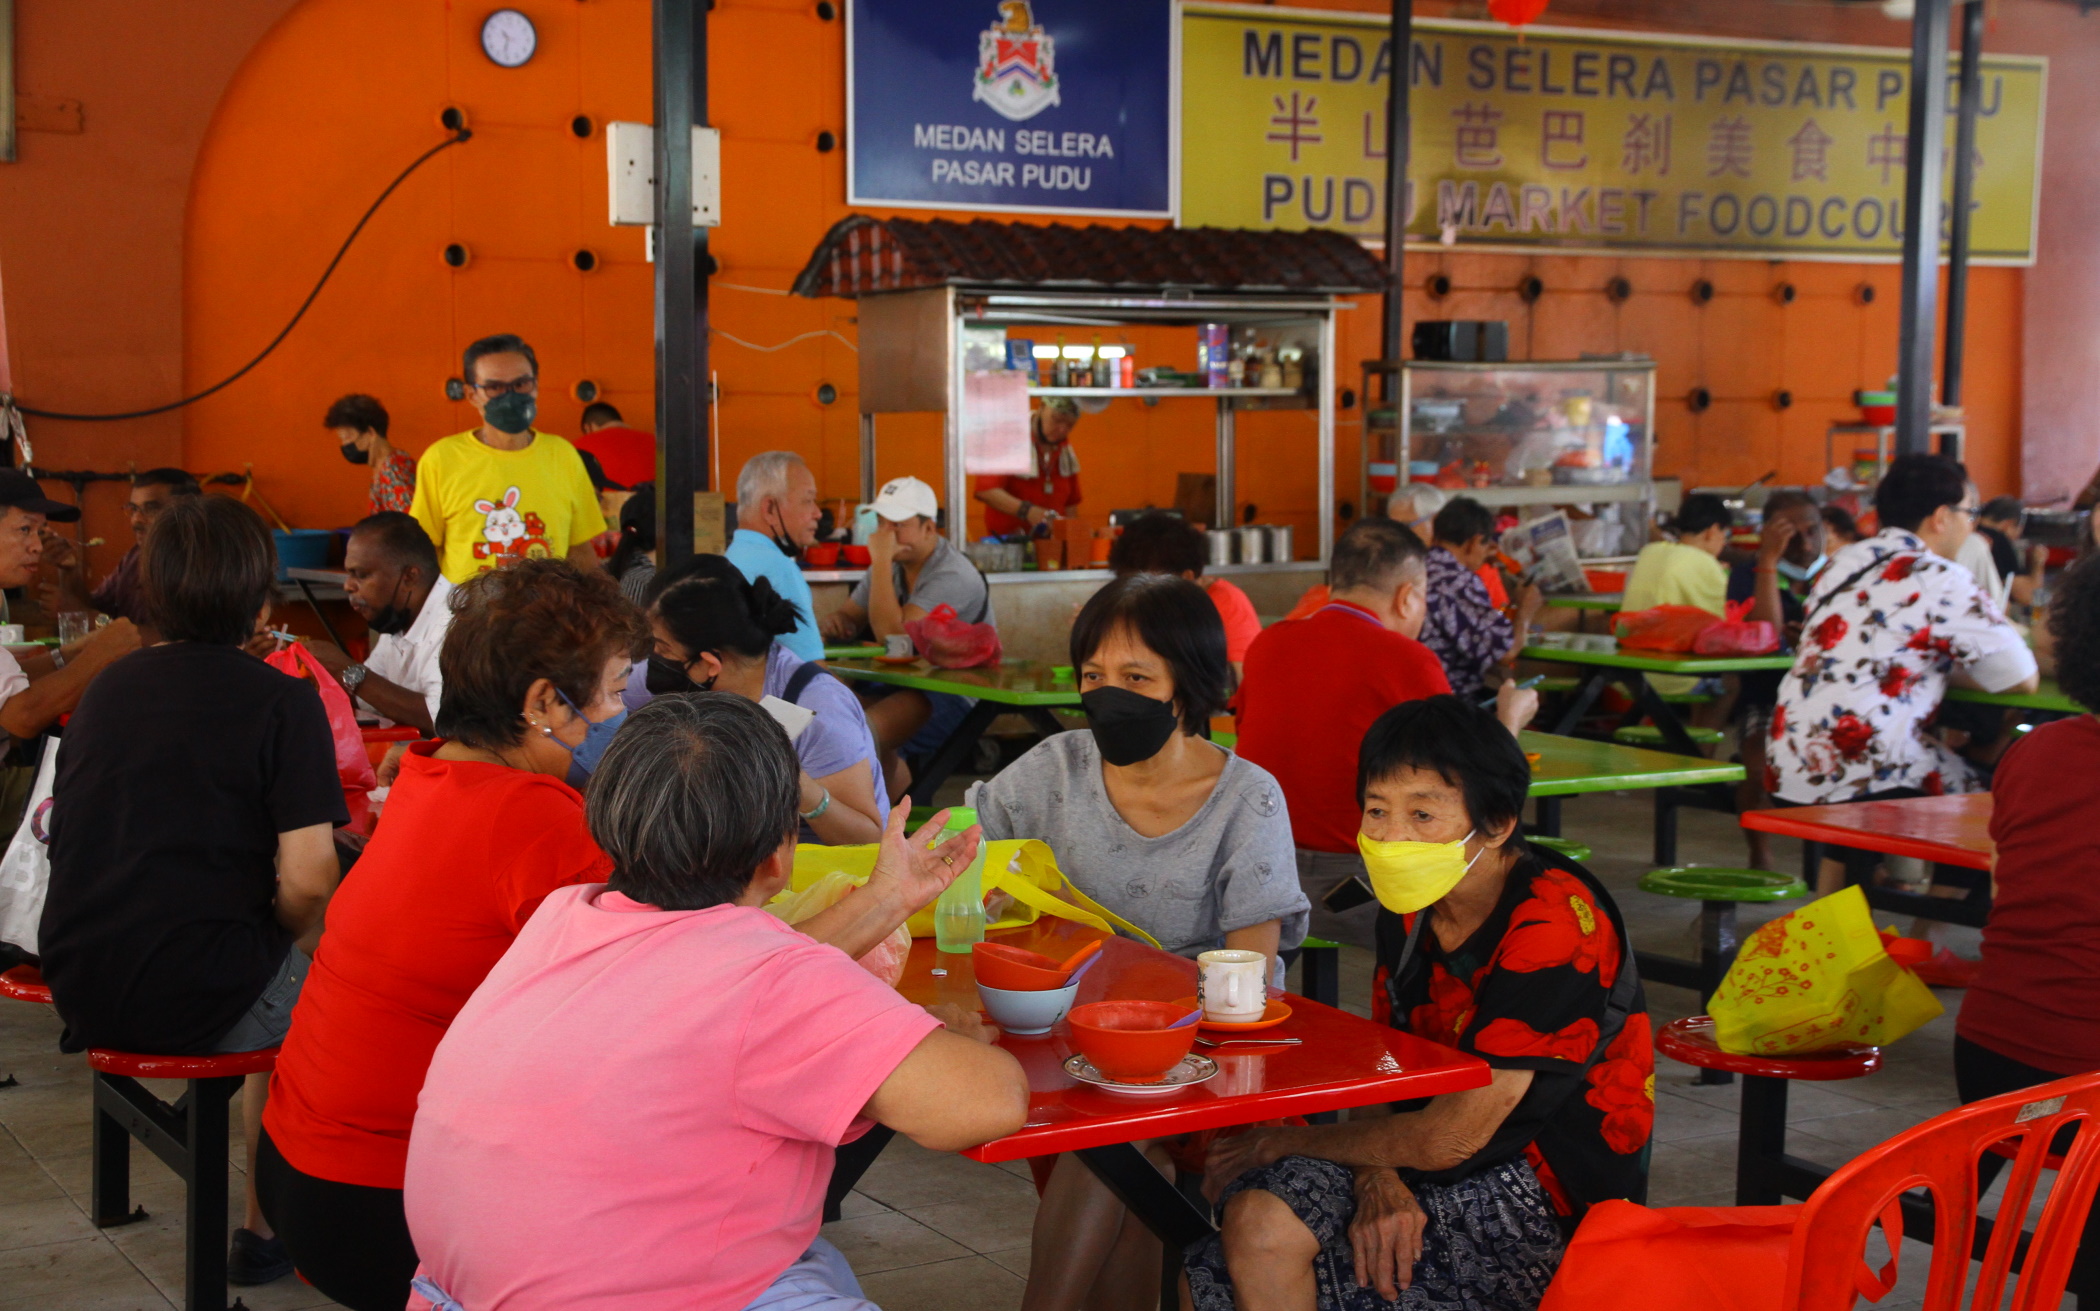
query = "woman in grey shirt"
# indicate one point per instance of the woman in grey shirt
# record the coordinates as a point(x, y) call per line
point(1178, 836)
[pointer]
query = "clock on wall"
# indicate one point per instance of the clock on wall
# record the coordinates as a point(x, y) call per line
point(508, 38)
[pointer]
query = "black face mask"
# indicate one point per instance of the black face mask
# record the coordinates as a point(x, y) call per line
point(356, 454)
point(393, 617)
point(782, 540)
point(1127, 726)
point(665, 677)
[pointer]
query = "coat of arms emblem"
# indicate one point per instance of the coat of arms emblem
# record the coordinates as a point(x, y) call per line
point(1016, 64)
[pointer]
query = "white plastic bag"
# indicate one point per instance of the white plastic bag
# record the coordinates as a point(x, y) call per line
point(25, 871)
point(885, 961)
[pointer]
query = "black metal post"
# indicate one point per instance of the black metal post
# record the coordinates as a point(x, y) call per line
point(1927, 137)
point(1397, 131)
point(681, 279)
point(1971, 84)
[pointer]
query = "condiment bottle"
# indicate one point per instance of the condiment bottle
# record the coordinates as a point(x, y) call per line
point(958, 917)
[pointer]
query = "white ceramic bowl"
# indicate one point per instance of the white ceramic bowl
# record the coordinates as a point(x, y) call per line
point(1027, 1013)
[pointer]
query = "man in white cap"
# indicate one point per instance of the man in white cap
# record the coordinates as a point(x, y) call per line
point(912, 571)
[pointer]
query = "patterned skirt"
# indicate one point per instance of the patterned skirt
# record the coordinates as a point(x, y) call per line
point(1492, 1242)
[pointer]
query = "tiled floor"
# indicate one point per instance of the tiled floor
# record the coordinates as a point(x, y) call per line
point(929, 1232)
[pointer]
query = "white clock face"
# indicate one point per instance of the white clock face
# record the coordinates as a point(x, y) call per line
point(507, 37)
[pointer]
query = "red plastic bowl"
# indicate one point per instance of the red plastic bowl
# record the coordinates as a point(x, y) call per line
point(1877, 415)
point(822, 555)
point(855, 557)
point(1015, 969)
point(1128, 1040)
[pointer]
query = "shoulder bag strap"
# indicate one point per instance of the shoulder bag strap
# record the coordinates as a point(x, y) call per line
point(799, 681)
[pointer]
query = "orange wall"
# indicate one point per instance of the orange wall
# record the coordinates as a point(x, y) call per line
point(91, 223)
point(335, 98)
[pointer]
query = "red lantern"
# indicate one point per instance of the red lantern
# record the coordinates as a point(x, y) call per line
point(1517, 12)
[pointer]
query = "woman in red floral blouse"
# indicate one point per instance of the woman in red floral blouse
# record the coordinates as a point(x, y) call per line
point(1465, 1199)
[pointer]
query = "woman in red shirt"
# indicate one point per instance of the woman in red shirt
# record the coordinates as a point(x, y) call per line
point(480, 826)
point(1019, 502)
point(1162, 543)
point(2032, 1015)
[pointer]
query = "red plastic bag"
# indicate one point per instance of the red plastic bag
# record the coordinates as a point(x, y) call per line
point(1737, 635)
point(1718, 1258)
point(1668, 628)
point(948, 642)
point(353, 765)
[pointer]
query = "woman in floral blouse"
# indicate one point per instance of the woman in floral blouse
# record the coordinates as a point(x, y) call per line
point(359, 423)
point(1890, 621)
point(1523, 962)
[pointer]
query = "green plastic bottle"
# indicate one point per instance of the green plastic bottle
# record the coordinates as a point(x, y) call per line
point(958, 917)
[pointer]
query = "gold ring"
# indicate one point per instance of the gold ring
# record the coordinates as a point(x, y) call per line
point(949, 861)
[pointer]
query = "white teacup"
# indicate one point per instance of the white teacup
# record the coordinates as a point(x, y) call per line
point(1232, 986)
point(897, 645)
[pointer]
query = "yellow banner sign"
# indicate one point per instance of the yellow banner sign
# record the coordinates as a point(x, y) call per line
point(1582, 140)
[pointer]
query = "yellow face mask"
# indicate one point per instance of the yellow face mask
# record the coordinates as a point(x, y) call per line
point(1408, 876)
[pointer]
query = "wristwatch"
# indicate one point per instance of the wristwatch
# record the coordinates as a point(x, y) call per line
point(352, 677)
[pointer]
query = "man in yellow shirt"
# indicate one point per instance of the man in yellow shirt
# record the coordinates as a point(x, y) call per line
point(504, 491)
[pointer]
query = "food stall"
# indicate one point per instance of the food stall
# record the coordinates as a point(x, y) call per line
point(953, 312)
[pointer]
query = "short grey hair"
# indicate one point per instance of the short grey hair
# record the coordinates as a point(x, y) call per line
point(693, 794)
point(1419, 498)
point(765, 474)
point(1064, 405)
point(1380, 554)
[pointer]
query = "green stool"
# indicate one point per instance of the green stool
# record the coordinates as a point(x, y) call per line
point(1718, 891)
point(918, 817)
point(1550, 685)
point(1569, 847)
point(1648, 735)
point(1685, 698)
point(1320, 970)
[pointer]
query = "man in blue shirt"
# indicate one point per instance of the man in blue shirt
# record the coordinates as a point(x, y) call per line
point(776, 517)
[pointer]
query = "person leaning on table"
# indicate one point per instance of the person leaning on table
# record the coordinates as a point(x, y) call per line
point(1314, 682)
point(192, 852)
point(1890, 622)
point(639, 1106)
point(391, 580)
point(1497, 948)
point(913, 571)
point(37, 686)
point(1175, 834)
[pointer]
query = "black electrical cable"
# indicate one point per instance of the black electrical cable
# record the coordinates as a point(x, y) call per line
point(458, 137)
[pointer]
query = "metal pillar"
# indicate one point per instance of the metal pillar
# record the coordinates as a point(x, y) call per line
point(1228, 466)
point(867, 458)
point(1921, 226)
point(680, 48)
point(1401, 35)
point(1971, 83)
point(1329, 376)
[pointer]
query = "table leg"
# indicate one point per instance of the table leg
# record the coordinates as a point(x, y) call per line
point(1760, 1142)
point(1718, 942)
point(953, 752)
point(319, 614)
point(849, 1163)
point(1585, 697)
point(1547, 821)
point(1044, 722)
point(1152, 1198)
point(1649, 701)
point(1665, 827)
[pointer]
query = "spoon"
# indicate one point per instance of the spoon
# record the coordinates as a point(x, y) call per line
point(1072, 961)
point(1250, 1042)
point(1080, 973)
point(1188, 1019)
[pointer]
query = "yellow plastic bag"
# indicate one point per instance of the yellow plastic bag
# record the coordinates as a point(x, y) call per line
point(1814, 979)
point(1023, 870)
point(885, 960)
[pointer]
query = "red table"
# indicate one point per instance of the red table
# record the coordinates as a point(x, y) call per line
point(1954, 830)
point(1344, 1061)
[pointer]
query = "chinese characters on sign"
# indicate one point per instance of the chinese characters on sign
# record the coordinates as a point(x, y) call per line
point(1581, 140)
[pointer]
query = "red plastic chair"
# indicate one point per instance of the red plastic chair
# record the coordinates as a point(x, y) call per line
point(1716, 1263)
point(25, 983)
point(190, 1135)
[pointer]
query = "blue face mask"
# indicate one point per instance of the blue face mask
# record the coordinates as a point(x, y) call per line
point(598, 734)
point(1788, 569)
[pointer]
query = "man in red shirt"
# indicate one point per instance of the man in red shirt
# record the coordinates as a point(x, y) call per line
point(1314, 686)
point(627, 455)
point(1018, 503)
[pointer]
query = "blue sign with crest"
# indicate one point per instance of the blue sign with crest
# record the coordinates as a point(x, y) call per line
point(1043, 105)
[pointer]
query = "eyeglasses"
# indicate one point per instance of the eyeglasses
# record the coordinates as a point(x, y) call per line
point(497, 387)
point(1973, 511)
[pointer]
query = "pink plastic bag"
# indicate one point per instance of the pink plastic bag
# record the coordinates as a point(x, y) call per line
point(948, 642)
point(353, 764)
point(1666, 628)
point(885, 960)
point(1737, 635)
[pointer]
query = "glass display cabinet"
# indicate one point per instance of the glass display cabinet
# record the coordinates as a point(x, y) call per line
point(1577, 435)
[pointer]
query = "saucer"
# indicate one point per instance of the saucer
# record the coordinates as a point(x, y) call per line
point(1276, 1013)
point(1189, 1070)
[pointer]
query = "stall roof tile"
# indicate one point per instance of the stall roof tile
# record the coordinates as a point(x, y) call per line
point(862, 255)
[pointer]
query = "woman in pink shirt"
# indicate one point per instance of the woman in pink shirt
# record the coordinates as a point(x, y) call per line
point(639, 1106)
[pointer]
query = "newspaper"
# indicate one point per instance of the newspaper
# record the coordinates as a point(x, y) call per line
point(1545, 546)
